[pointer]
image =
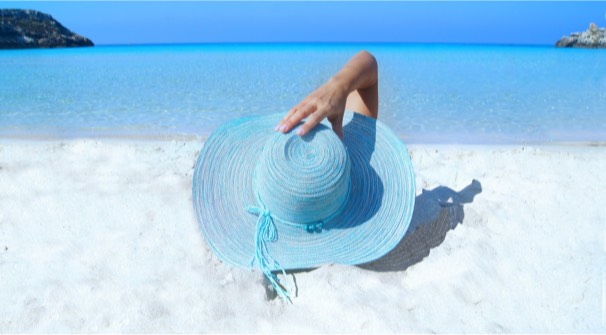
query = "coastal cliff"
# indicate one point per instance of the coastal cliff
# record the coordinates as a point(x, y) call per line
point(594, 37)
point(22, 29)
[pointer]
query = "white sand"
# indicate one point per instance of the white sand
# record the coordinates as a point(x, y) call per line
point(100, 236)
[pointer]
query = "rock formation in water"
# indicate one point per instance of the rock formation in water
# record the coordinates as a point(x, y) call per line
point(20, 29)
point(594, 37)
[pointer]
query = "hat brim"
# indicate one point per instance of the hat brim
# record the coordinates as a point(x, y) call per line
point(372, 222)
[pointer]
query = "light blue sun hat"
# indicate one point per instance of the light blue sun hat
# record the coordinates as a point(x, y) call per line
point(281, 201)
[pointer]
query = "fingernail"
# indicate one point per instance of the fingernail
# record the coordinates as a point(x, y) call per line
point(300, 131)
point(282, 128)
point(277, 127)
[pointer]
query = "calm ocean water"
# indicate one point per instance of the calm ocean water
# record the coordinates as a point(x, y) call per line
point(428, 93)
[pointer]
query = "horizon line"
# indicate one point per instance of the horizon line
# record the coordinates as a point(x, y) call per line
point(325, 42)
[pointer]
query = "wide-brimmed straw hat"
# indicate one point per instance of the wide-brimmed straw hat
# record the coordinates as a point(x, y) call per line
point(283, 201)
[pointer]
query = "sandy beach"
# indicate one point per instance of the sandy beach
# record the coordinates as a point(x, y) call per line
point(99, 235)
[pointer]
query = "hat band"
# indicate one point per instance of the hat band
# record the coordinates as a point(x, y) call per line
point(310, 227)
point(266, 231)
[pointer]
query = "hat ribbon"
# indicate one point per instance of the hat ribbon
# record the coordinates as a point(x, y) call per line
point(267, 232)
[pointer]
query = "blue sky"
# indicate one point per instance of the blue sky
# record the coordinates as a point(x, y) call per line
point(489, 22)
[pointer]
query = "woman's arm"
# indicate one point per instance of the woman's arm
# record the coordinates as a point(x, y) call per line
point(354, 87)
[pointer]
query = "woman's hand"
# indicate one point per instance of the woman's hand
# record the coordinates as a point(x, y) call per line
point(354, 87)
point(328, 101)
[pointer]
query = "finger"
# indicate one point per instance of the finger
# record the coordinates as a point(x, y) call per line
point(287, 116)
point(299, 115)
point(310, 123)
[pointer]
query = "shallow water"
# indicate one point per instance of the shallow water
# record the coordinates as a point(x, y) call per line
point(428, 93)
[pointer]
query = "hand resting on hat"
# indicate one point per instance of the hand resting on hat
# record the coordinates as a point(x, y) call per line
point(354, 87)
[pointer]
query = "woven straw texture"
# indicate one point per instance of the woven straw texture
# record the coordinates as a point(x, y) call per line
point(368, 179)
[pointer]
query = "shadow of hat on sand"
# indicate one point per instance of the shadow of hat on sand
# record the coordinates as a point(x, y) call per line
point(436, 212)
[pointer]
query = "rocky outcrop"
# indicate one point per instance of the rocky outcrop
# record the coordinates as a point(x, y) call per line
point(20, 29)
point(594, 37)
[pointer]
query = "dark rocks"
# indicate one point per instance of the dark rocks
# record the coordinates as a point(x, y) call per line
point(21, 29)
point(593, 38)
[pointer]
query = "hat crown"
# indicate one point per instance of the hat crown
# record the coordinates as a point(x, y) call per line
point(303, 179)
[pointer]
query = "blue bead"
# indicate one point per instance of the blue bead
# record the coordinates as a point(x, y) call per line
point(319, 227)
point(310, 228)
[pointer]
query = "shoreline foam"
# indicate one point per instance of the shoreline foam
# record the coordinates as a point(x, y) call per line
point(136, 138)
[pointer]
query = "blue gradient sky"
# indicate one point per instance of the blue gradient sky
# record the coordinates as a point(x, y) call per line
point(418, 22)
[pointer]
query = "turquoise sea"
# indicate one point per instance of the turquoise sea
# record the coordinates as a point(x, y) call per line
point(428, 93)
